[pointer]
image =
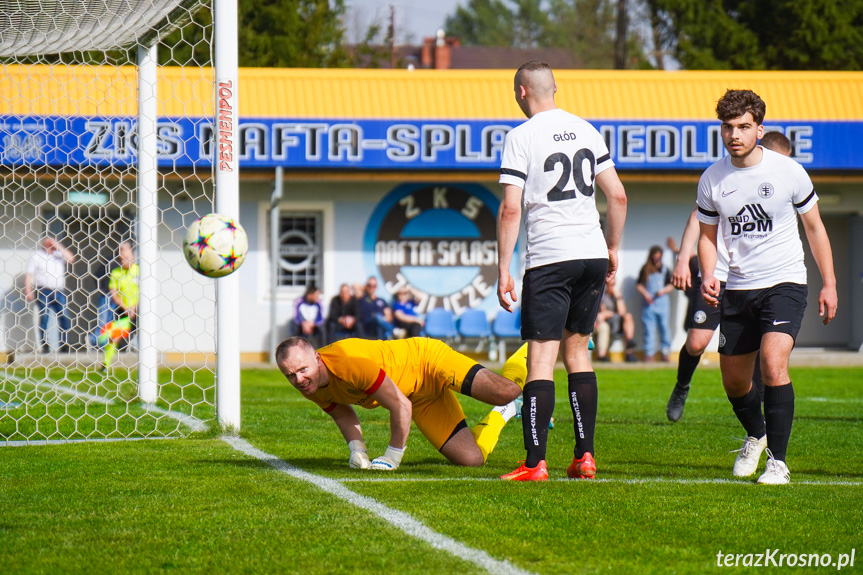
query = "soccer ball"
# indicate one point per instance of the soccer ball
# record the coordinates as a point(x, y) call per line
point(215, 245)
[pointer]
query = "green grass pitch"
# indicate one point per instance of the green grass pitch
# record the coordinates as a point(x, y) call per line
point(665, 501)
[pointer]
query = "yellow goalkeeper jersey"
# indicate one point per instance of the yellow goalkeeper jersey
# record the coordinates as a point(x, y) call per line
point(420, 367)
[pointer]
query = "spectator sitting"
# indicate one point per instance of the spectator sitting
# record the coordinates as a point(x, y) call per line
point(375, 316)
point(407, 321)
point(342, 317)
point(613, 320)
point(308, 321)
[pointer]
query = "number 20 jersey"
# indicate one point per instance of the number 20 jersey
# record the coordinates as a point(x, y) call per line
point(554, 158)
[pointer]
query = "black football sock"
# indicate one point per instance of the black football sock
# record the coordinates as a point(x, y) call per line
point(686, 365)
point(536, 413)
point(583, 399)
point(748, 411)
point(757, 380)
point(778, 415)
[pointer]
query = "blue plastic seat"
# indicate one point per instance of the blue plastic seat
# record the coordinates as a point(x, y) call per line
point(440, 324)
point(474, 323)
point(506, 327)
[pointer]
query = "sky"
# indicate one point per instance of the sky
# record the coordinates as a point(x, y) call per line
point(414, 19)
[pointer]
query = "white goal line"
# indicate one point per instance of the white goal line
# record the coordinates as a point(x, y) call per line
point(189, 421)
point(61, 389)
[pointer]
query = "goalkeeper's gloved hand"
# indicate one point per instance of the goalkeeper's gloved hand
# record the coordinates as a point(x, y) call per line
point(390, 460)
point(359, 455)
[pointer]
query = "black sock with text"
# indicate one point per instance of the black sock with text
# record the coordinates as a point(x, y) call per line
point(535, 416)
point(583, 399)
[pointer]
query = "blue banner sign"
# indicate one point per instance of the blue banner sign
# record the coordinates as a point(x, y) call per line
point(393, 144)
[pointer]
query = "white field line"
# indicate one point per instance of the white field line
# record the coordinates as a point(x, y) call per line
point(28, 443)
point(633, 481)
point(190, 421)
point(62, 389)
point(396, 518)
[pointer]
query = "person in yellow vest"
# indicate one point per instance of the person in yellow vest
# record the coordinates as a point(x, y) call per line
point(414, 379)
point(123, 291)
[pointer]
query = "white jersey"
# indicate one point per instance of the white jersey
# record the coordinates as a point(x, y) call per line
point(756, 209)
point(554, 158)
point(48, 270)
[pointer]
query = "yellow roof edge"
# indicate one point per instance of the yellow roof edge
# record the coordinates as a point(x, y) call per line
point(430, 94)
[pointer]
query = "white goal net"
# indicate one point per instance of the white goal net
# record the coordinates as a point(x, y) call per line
point(106, 119)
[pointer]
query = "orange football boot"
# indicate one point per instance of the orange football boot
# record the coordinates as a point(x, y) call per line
point(538, 473)
point(584, 468)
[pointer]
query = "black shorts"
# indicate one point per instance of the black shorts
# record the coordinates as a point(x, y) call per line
point(561, 295)
point(699, 314)
point(748, 314)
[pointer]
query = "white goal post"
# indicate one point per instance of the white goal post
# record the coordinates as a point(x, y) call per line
point(109, 136)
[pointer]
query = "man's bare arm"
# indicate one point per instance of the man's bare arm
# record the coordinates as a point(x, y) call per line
point(508, 223)
point(615, 195)
point(819, 244)
point(400, 408)
point(681, 277)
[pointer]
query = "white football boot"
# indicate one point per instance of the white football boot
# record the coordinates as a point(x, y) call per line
point(748, 456)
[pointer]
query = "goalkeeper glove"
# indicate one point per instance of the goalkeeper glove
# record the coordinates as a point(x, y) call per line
point(359, 455)
point(390, 460)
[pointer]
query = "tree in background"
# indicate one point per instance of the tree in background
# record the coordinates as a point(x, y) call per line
point(292, 33)
point(484, 23)
point(586, 27)
point(279, 33)
point(762, 35)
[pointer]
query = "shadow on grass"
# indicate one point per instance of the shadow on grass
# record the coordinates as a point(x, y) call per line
point(437, 467)
point(715, 469)
point(828, 418)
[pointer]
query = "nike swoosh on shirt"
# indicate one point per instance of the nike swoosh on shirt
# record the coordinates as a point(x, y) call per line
point(728, 193)
point(780, 322)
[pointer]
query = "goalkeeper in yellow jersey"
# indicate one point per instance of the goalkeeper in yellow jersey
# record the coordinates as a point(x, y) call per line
point(123, 286)
point(414, 379)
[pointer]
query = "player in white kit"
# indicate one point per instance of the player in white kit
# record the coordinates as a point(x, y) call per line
point(702, 319)
point(548, 169)
point(750, 201)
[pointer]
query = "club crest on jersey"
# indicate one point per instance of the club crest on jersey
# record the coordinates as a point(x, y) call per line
point(750, 218)
point(765, 190)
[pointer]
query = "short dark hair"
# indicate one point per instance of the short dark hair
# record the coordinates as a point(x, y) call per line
point(532, 66)
point(736, 103)
point(778, 142)
point(290, 343)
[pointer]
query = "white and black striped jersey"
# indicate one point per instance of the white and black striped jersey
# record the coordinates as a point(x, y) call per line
point(554, 158)
point(756, 209)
